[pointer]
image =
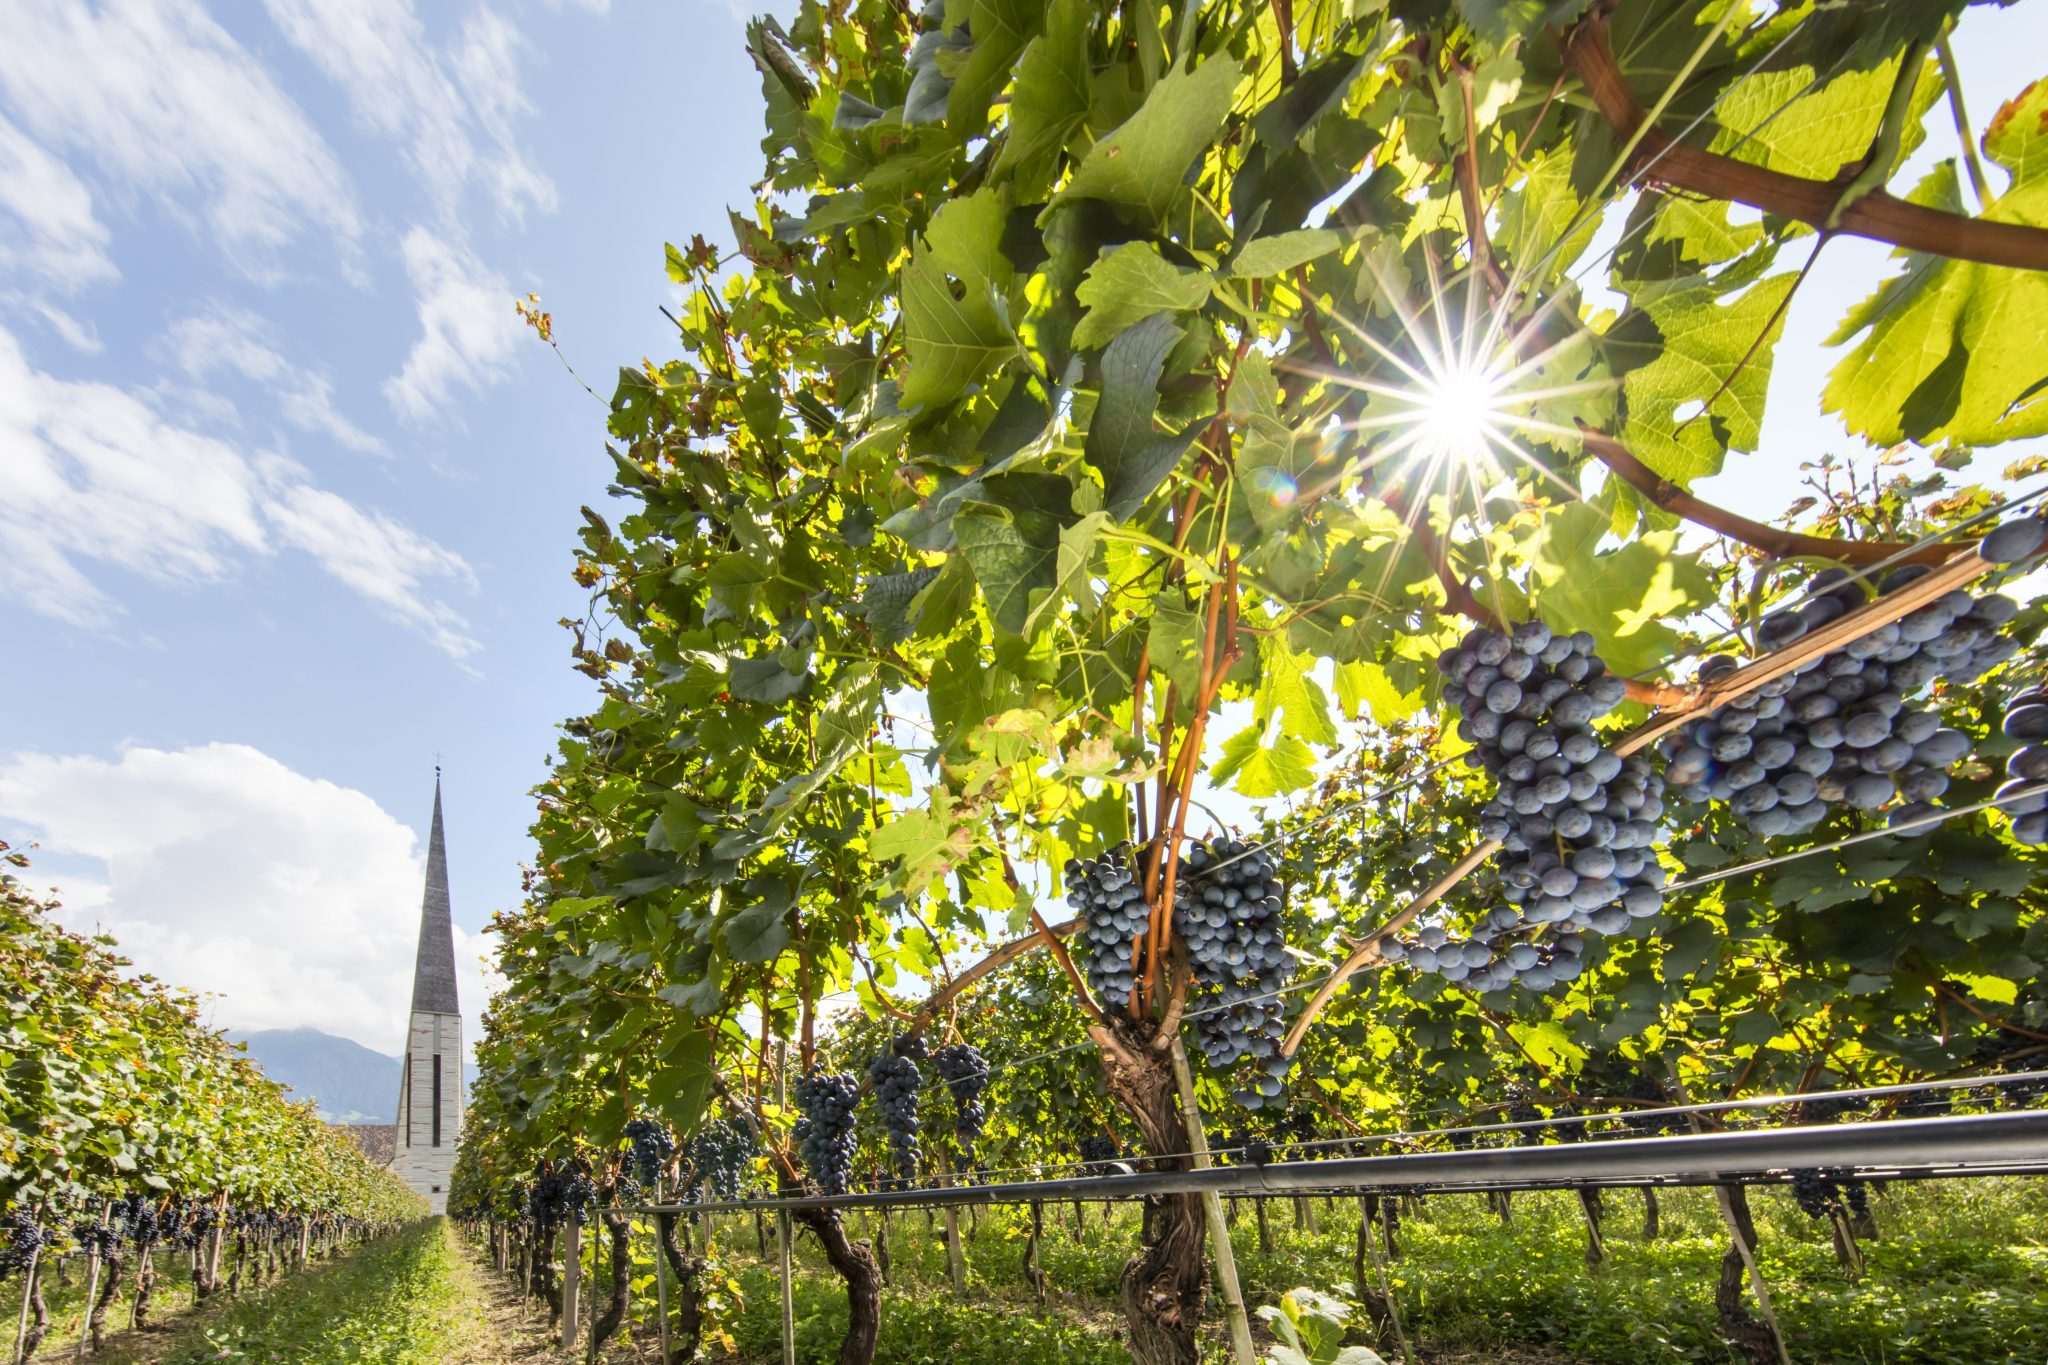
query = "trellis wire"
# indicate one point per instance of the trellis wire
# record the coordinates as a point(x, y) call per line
point(1948, 1144)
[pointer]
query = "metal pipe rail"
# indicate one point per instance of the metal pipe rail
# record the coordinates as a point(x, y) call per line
point(1955, 1143)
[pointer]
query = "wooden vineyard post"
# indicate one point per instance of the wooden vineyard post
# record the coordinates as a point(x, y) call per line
point(92, 1285)
point(660, 1276)
point(1371, 1247)
point(956, 1258)
point(1212, 1206)
point(1737, 1233)
point(28, 1290)
point(572, 1280)
point(782, 1229)
point(1033, 1271)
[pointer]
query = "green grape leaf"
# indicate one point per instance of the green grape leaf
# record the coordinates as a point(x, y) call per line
point(1951, 350)
point(1141, 163)
point(1271, 255)
point(1049, 100)
point(1129, 284)
point(764, 680)
point(1260, 768)
point(956, 326)
point(1000, 29)
point(759, 933)
point(1622, 597)
point(1015, 567)
point(1681, 348)
point(1122, 445)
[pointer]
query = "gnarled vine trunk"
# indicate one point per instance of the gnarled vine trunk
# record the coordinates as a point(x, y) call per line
point(1164, 1285)
point(686, 1331)
point(39, 1321)
point(617, 1226)
point(856, 1265)
point(1749, 1336)
point(110, 1293)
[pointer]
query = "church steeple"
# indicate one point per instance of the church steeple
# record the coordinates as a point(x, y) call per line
point(430, 1077)
point(433, 973)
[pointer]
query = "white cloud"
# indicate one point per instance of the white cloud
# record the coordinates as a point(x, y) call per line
point(468, 328)
point(453, 111)
point(236, 341)
point(218, 868)
point(53, 235)
point(94, 473)
point(164, 101)
point(384, 561)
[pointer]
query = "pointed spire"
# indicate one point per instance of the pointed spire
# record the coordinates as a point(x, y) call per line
point(433, 975)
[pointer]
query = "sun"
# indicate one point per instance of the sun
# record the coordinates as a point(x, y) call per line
point(1457, 408)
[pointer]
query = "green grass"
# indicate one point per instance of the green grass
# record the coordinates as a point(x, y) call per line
point(1959, 1276)
point(391, 1302)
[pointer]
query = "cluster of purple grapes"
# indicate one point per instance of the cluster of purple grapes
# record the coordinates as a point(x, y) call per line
point(1818, 1189)
point(1097, 1148)
point(896, 1080)
point(1227, 908)
point(2026, 719)
point(561, 1194)
point(1578, 824)
point(1109, 896)
point(824, 1133)
point(1841, 731)
point(25, 1239)
point(652, 1146)
point(723, 1154)
point(965, 1073)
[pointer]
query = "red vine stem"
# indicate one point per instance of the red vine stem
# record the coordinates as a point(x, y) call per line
point(1876, 215)
point(1769, 539)
point(1001, 956)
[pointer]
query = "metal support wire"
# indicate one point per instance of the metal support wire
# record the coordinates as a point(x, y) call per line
point(1957, 1144)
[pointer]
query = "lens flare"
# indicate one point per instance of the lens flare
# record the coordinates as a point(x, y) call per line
point(1456, 411)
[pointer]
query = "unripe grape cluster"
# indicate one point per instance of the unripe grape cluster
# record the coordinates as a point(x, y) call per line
point(723, 1153)
point(896, 1080)
point(653, 1145)
point(1227, 909)
point(824, 1134)
point(1577, 823)
point(1841, 732)
point(965, 1073)
point(1109, 896)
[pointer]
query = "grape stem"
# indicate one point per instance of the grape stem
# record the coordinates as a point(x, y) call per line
point(1876, 215)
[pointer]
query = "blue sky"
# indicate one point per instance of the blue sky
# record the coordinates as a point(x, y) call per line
point(287, 493)
point(290, 491)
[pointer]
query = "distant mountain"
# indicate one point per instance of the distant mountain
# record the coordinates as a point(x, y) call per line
point(349, 1082)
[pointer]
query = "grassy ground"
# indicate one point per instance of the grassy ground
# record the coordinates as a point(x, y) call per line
point(408, 1299)
point(1958, 1275)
